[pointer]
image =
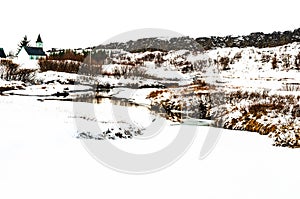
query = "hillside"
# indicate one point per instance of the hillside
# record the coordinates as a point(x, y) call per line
point(258, 39)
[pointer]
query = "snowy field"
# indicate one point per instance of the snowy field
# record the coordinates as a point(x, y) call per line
point(41, 158)
point(41, 148)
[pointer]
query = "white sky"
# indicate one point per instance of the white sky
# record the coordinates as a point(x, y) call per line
point(73, 24)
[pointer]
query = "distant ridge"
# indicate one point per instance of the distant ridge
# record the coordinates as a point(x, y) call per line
point(152, 44)
point(258, 39)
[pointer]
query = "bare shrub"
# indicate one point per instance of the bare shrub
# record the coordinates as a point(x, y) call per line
point(238, 56)
point(265, 58)
point(291, 87)
point(297, 61)
point(274, 62)
point(59, 66)
point(286, 61)
point(263, 108)
point(224, 61)
point(64, 55)
point(12, 72)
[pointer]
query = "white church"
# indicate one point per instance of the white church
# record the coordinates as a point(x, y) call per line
point(32, 53)
point(28, 56)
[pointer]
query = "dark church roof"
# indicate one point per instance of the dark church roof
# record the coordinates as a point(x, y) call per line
point(39, 39)
point(35, 51)
point(2, 53)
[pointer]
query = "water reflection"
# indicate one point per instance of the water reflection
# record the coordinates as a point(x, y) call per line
point(101, 97)
point(169, 111)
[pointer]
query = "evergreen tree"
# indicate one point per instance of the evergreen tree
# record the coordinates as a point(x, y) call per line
point(25, 42)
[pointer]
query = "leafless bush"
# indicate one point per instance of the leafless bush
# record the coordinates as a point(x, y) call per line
point(265, 58)
point(12, 72)
point(59, 66)
point(297, 61)
point(274, 62)
point(224, 62)
point(291, 87)
point(135, 72)
point(238, 55)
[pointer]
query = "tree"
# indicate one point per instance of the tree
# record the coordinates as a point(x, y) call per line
point(274, 62)
point(25, 42)
point(297, 61)
point(286, 61)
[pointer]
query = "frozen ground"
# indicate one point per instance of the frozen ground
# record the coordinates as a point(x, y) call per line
point(252, 68)
point(41, 158)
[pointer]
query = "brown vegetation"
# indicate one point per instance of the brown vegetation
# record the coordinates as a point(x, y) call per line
point(59, 66)
point(12, 72)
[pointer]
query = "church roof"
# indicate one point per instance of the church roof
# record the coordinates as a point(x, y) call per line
point(2, 53)
point(39, 39)
point(35, 51)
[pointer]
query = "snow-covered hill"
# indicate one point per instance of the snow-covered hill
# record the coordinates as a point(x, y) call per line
point(274, 68)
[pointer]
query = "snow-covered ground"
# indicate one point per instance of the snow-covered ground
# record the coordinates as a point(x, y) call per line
point(252, 68)
point(41, 158)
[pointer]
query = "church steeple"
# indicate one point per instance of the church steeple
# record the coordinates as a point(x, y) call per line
point(39, 42)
